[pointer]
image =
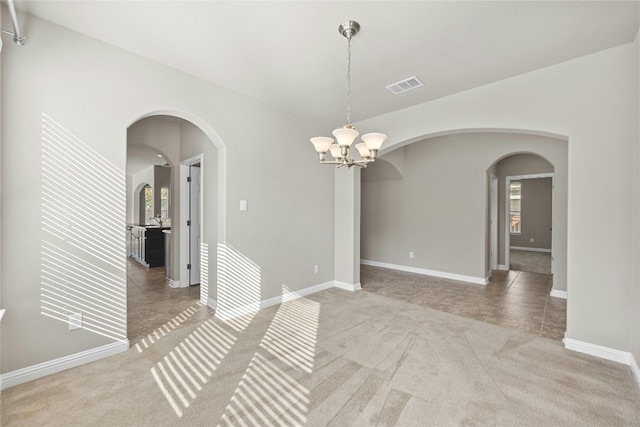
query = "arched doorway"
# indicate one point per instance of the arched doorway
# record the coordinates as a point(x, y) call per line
point(171, 294)
point(521, 213)
point(425, 209)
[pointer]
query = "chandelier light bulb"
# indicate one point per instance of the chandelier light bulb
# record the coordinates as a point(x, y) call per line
point(345, 136)
point(321, 143)
point(336, 151)
point(374, 140)
point(363, 150)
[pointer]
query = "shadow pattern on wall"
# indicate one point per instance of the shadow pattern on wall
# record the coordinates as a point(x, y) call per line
point(83, 269)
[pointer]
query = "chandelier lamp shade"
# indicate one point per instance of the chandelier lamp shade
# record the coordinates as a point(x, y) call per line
point(340, 147)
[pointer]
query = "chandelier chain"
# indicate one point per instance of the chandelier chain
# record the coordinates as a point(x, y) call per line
point(339, 148)
point(348, 80)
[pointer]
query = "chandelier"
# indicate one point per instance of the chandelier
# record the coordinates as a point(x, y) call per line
point(340, 149)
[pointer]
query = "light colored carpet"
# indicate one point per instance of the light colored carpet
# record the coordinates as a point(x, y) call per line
point(533, 262)
point(334, 358)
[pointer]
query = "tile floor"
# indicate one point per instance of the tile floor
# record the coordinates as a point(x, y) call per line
point(339, 358)
point(334, 358)
point(151, 302)
point(535, 262)
point(513, 299)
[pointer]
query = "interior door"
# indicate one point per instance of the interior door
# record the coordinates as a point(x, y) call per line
point(194, 224)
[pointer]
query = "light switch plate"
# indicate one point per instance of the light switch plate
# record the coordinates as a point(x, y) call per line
point(243, 205)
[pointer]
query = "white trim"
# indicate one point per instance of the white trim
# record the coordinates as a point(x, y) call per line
point(598, 351)
point(347, 286)
point(289, 296)
point(524, 248)
point(558, 293)
point(493, 221)
point(635, 369)
point(607, 353)
point(212, 303)
point(253, 307)
point(531, 176)
point(173, 283)
point(2, 313)
point(502, 267)
point(183, 272)
point(443, 274)
point(43, 369)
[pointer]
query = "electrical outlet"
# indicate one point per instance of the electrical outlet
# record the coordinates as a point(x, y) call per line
point(316, 268)
point(411, 255)
point(531, 240)
point(75, 321)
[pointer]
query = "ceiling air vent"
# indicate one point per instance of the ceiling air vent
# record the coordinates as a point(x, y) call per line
point(405, 85)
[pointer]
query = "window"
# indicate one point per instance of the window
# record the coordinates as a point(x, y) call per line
point(515, 199)
point(148, 203)
point(164, 202)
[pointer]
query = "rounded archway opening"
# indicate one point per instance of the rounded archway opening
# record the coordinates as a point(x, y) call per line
point(425, 206)
point(186, 148)
point(521, 194)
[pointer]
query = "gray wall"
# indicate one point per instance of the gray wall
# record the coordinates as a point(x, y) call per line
point(96, 92)
point(535, 214)
point(431, 198)
point(588, 101)
point(635, 212)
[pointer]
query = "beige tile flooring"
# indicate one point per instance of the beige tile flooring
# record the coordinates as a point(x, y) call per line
point(151, 302)
point(513, 299)
point(334, 358)
point(535, 262)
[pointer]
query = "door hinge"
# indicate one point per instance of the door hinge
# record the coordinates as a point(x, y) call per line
point(188, 179)
point(188, 223)
point(188, 266)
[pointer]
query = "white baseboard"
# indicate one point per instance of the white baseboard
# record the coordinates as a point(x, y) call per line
point(445, 275)
point(173, 283)
point(635, 369)
point(253, 307)
point(558, 293)
point(605, 353)
point(347, 286)
point(296, 294)
point(524, 248)
point(503, 267)
point(598, 351)
point(43, 369)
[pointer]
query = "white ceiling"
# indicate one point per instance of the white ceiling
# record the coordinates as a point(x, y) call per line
point(140, 158)
point(290, 54)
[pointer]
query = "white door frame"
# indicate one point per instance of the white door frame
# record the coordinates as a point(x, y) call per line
point(493, 225)
point(507, 230)
point(184, 214)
